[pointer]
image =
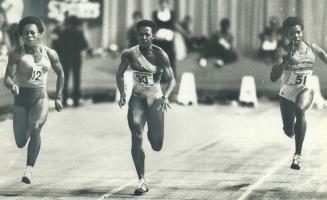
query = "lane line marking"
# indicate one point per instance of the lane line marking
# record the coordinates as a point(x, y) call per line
point(263, 178)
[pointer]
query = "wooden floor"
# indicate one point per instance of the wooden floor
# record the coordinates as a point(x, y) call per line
point(210, 152)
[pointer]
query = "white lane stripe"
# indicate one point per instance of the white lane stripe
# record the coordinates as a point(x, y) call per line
point(263, 179)
point(112, 192)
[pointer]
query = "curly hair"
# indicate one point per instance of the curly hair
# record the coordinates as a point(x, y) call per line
point(148, 23)
point(292, 21)
point(30, 20)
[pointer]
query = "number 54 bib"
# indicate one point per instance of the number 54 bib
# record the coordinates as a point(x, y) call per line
point(143, 78)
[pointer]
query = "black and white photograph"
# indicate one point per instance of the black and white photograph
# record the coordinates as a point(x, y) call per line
point(163, 99)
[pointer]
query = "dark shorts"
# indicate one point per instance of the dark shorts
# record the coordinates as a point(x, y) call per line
point(28, 97)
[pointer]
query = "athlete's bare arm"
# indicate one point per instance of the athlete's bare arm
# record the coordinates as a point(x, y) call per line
point(167, 72)
point(278, 66)
point(120, 77)
point(10, 72)
point(320, 52)
point(57, 67)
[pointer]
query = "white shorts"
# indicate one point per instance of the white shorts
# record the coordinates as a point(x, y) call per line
point(290, 92)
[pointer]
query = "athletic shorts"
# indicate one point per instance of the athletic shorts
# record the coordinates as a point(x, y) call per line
point(154, 117)
point(28, 97)
point(290, 92)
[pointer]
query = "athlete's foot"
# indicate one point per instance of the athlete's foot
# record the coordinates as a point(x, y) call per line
point(27, 177)
point(296, 162)
point(142, 187)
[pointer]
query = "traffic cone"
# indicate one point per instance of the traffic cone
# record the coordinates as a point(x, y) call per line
point(318, 100)
point(128, 86)
point(248, 93)
point(187, 90)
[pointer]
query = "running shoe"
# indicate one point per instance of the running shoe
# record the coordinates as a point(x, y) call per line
point(141, 188)
point(296, 162)
point(27, 177)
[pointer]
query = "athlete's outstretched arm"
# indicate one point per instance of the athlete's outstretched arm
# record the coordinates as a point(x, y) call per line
point(278, 66)
point(167, 72)
point(10, 72)
point(120, 78)
point(57, 68)
point(320, 52)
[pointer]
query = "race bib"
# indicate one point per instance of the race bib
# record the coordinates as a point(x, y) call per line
point(144, 78)
point(36, 73)
point(299, 79)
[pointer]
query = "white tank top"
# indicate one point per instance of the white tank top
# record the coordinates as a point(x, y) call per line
point(32, 74)
point(299, 70)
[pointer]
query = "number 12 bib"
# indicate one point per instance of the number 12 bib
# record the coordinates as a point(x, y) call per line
point(36, 73)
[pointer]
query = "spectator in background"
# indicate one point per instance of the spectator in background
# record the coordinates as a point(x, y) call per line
point(165, 20)
point(4, 38)
point(131, 33)
point(270, 38)
point(220, 46)
point(70, 43)
point(192, 42)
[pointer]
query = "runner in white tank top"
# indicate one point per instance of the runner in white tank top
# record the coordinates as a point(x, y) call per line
point(26, 76)
point(148, 103)
point(296, 94)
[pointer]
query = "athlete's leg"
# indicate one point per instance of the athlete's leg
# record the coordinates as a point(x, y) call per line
point(20, 123)
point(303, 102)
point(304, 99)
point(136, 122)
point(287, 109)
point(37, 117)
point(155, 119)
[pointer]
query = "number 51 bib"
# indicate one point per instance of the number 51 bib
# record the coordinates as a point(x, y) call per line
point(299, 79)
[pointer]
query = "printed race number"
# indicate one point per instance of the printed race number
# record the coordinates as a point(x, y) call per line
point(301, 79)
point(144, 78)
point(298, 79)
point(36, 73)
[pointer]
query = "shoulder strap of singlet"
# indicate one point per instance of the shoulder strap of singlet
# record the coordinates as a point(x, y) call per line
point(307, 43)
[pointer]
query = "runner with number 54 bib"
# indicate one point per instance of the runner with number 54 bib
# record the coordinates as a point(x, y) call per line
point(147, 103)
point(295, 70)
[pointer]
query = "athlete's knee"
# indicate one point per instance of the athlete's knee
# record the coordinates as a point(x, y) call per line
point(289, 130)
point(156, 146)
point(21, 138)
point(301, 107)
point(156, 143)
point(21, 143)
point(136, 140)
point(36, 127)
